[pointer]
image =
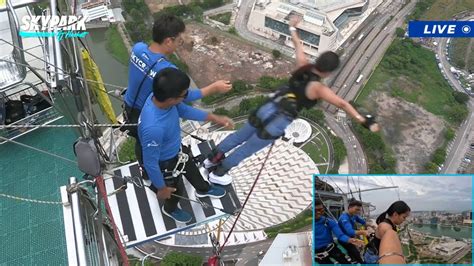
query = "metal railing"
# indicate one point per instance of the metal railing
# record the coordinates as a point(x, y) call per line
point(89, 237)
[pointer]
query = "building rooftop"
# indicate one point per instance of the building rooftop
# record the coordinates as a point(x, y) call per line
point(289, 249)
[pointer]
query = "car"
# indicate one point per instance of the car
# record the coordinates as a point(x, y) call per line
point(467, 160)
point(355, 146)
point(261, 252)
point(472, 146)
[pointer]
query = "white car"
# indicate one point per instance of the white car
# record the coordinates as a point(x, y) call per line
point(467, 160)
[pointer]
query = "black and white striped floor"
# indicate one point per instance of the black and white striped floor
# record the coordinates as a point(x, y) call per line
point(138, 216)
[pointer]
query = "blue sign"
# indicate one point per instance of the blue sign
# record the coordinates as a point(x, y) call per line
point(461, 29)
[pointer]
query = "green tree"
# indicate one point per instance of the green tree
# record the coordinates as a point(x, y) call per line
point(389, 160)
point(461, 97)
point(276, 54)
point(214, 40)
point(457, 113)
point(174, 258)
point(380, 158)
point(233, 30)
point(315, 115)
point(140, 5)
point(221, 111)
point(439, 156)
point(449, 134)
point(339, 149)
point(239, 86)
point(420, 8)
point(431, 168)
point(197, 12)
point(137, 31)
point(208, 4)
point(244, 106)
point(137, 16)
point(271, 83)
point(400, 32)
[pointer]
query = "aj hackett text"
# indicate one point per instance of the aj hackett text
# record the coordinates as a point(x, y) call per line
point(53, 26)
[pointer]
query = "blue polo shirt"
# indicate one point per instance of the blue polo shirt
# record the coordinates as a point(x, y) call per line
point(347, 223)
point(159, 132)
point(141, 60)
point(324, 228)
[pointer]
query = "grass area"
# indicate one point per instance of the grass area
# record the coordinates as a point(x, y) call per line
point(446, 9)
point(312, 150)
point(126, 151)
point(462, 53)
point(239, 87)
point(134, 261)
point(301, 220)
point(174, 258)
point(380, 158)
point(410, 71)
point(115, 45)
point(405, 250)
point(224, 18)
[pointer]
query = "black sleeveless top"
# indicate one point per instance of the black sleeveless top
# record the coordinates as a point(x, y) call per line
point(298, 83)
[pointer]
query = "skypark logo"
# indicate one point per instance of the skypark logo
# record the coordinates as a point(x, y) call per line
point(59, 27)
point(449, 29)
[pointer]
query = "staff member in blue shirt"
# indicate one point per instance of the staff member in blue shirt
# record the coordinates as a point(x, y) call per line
point(324, 245)
point(347, 222)
point(148, 60)
point(160, 134)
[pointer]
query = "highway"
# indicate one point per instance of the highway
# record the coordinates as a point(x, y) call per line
point(355, 153)
point(361, 57)
point(370, 52)
point(464, 136)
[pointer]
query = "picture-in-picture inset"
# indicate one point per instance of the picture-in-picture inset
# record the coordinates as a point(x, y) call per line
point(393, 219)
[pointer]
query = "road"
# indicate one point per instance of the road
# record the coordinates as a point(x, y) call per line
point(361, 57)
point(221, 9)
point(245, 254)
point(355, 153)
point(370, 51)
point(464, 135)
